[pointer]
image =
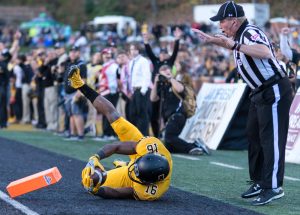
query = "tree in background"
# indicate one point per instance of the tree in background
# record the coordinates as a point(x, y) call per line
point(158, 11)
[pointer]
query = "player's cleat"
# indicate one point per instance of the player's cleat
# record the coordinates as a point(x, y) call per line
point(268, 195)
point(254, 190)
point(74, 77)
point(196, 151)
point(119, 163)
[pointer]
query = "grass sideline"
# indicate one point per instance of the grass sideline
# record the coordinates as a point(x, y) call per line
point(197, 176)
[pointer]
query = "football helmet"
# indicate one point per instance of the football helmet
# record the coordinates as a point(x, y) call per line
point(149, 169)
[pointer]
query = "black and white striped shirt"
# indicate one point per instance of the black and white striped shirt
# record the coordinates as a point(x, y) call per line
point(255, 71)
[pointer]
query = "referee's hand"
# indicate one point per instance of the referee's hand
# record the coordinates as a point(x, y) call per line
point(228, 41)
point(203, 36)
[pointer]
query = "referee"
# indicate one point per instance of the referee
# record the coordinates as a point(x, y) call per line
point(271, 98)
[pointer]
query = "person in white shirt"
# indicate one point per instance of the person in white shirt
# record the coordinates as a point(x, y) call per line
point(139, 68)
point(124, 83)
point(108, 88)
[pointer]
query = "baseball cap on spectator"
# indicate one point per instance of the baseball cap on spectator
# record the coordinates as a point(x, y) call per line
point(75, 48)
point(228, 9)
point(106, 51)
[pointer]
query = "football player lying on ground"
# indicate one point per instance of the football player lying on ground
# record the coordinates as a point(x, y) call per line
point(147, 176)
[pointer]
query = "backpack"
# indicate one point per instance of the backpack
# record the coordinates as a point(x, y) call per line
point(189, 101)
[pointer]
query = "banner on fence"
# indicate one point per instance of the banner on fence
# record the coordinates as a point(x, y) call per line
point(216, 105)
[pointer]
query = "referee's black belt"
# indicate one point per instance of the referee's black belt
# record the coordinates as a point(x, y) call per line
point(268, 83)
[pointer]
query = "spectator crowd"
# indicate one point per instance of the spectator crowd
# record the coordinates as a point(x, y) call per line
point(124, 69)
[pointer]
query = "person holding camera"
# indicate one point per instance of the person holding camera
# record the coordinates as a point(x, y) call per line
point(172, 112)
point(163, 59)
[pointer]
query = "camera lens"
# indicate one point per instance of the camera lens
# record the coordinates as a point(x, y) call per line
point(162, 78)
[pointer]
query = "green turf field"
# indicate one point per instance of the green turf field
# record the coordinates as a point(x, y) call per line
point(202, 175)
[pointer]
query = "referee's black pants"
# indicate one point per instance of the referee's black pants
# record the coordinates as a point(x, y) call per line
point(267, 128)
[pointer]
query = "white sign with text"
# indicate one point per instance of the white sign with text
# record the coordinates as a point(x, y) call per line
point(292, 151)
point(216, 105)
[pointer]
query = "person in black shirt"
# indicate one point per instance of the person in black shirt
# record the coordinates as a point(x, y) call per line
point(172, 112)
point(163, 59)
point(50, 91)
point(4, 83)
point(42, 67)
point(26, 80)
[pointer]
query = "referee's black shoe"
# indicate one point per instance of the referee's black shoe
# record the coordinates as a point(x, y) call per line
point(268, 195)
point(254, 190)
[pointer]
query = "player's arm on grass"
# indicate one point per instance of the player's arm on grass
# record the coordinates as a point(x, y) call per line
point(115, 193)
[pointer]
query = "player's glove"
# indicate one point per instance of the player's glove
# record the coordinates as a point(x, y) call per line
point(74, 77)
point(92, 182)
point(92, 175)
point(94, 161)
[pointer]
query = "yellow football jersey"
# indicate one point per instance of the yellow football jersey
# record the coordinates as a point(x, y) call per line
point(155, 190)
point(119, 177)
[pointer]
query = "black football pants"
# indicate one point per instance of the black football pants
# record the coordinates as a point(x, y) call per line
point(267, 128)
point(173, 129)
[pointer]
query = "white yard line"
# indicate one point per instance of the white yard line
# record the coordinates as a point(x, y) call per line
point(226, 165)
point(291, 178)
point(16, 204)
point(186, 157)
